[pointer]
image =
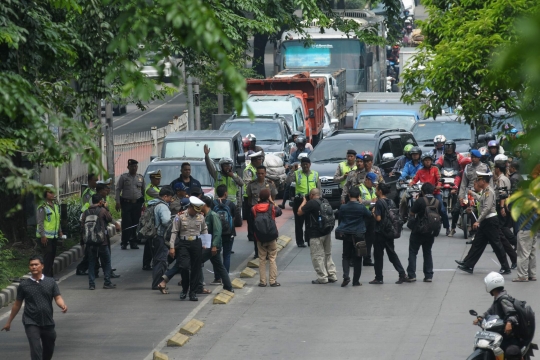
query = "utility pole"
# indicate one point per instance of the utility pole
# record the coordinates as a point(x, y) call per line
point(191, 112)
point(197, 103)
point(110, 143)
point(220, 106)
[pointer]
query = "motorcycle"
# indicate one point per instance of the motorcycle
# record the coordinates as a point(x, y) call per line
point(413, 192)
point(487, 342)
point(448, 184)
point(466, 222)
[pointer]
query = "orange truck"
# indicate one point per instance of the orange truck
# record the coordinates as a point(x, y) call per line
point(309, 90)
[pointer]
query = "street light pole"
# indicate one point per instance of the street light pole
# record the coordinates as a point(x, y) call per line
point(197, 102)
point(191, 112)
point(110, 143)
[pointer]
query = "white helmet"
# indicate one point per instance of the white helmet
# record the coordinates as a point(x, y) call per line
point(501, 157)
point(439, 139)
point(493, 280)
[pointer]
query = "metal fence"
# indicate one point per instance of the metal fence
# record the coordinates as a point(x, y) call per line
point(139, 146)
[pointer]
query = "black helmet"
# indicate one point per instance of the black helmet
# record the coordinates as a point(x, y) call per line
point(416, 150)
point(450, 143)
point(427, 156)
point(490, 136)
point(300, 140)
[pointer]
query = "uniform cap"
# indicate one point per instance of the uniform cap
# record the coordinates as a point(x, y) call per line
point(483, 176)
point(179, 186)
point(156, 174)
point(359, 156)
point(105, 182)
point(372, 176)
point(257, 154)
point(50, 188)
point(196, 203)
point(476, 153)
point(132, 162)
point(351, 152)
point(305, 160)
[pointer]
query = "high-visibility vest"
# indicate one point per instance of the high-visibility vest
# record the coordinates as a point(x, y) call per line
point(305, 183)
point(366, 195)
point(147, 197)
point(51, 224)
point(86, 205)
point(345, 168)
point(253, 177)
point(232, 188)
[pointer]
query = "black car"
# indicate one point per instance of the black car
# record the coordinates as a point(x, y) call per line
point(386, 146)
point(466, 138)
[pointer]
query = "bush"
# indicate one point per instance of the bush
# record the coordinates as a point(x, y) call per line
point(5, 256)
point(73, 229)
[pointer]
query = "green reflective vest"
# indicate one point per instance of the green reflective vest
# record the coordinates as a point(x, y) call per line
point(345, 168)
point(147, 197)
point(51, 224)
point(366, 195)
point(253, 177)
point(232, 188)
point(86, 205)
point(305, 183)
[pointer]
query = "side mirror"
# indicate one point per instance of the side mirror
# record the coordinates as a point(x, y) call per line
point(334, 121)
point(240, 159)
point(153, 157)
point(387, 157)
point(369, 59)
point(312, 113)
point(335, 90)
point(473, 313)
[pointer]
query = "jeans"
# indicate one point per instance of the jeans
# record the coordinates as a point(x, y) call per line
point(415, 242)
point(380, 244)
point(444, 214)
point(227, 243)
point(42, 340)
point(104, 256)
point(218, 268)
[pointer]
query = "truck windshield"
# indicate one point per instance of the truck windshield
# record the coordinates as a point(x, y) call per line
point(452, 130)
point(335, 149)
point(265, 132)
point(331, 54)
point(195, 148)
point(171, 171)
point(385, 122)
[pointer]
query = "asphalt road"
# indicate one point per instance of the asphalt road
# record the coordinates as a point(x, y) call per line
point(296, 320)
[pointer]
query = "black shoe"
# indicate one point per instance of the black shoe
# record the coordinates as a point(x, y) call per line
point(468, 242)
point(82, 273)
point(514, 266)
point(461, 263)
point(357, 284)
point(109, 286)
point(376, 282)
point(113, 270)
point(232, 252)
point(183, 296)
point(230, 290)
point(193, 297)
point(428, 280)
point(114, 276)
point(133, 247)
point(147, 268)
point(505, 271)
point(410, 280)
point(332, 280)
point(316, 282)
point(302, 245)
point(466, 269)
point(369, 263)
point(345, 282)
point(402, 279)
point(123, 247)
point(281, 206)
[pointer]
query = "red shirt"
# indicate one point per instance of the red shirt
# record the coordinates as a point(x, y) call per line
point(430, 175)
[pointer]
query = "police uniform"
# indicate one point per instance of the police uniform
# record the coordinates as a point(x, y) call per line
point(249, 175)
point(185, 237)
point(354, 179)
point(469, 175)
point(130, 196)
point(219, 178)
point(488, 231)
point(344, 169)
point(48, 225)
point(150, 192)
point(252, 191)
point(506, 235)
point(368, 196)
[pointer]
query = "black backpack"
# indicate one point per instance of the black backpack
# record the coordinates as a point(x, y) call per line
point(328, 220)
point(391, 223)
point(94, 233)
point(146, 229)
point(223, 211)
point(264, 226)
point(526, 319)
point(430, 223)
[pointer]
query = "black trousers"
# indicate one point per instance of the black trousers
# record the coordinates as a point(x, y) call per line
point(160, 263)
point(488, 232)
point(349, 253)
point(380, 244)
point(41, 340)
point(426, 243)
point(131, 213)
point(219, 269)
point(299, 221)
point(189, 261)
point(147, 253)
point(83, 265)
point(250, 235)
point(49, 253)
point(369, 237)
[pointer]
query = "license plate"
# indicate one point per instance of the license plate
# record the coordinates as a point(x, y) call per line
point(485, 335)
point(327, 191)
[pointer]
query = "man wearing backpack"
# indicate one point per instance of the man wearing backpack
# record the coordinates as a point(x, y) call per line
point(94, 224)
point(320, 222)
point(266, 234)
point(427, 214)
point(253, 190)
point(227, 237)
point(151, 192)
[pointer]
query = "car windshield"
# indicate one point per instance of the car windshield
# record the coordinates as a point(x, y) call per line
point(266, 132)
point(385, 122)
point(452, 130)
point(171, 171)
point(195, 148)
point(335, 149)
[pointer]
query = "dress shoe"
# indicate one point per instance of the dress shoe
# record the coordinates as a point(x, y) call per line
point(469, 242)
point(401, 280)
point(147, 268)
point(428, 280)
point(123, 247)
point(302, 245)
point(114, 276)
point(410, 280)
point(281, 206)
point(514, 266)
point(133, 247)
point(505, 271)
point(193, 297)
point(345, 282)
point(82, 273)
point(466, 269)
point(109, 286)
point(183, 296)
point(448, 231)
point(459, 262)
point(369, 263)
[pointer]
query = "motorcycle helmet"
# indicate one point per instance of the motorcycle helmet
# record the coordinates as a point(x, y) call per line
point(450, 144)
point(246, 143)
point(508, 127)
point(439, 139)
point(407, 149)
point(501, 157)
point(416, 150)
point(514, 131)
point(493, 143)
point(464, 162)
point(493, 280)
point(225, 161)
point(300, 140)
point(252, 138)
point(490, 136)
point(302, 155)
point(368, 153)
point(427, 156)
point(297, 133)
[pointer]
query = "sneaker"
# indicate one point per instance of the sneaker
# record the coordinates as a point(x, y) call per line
point(505, 271)
point(216, 282)
point(376, 282)
point(451, 233)
point(428, 280)
point(466, 269)
point(92, 287)
point(109, 286)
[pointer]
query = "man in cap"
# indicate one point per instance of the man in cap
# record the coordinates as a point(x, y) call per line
point(151, 192)
point(345, 167)
point(368, 197)
point(368, 164)
point(250, 174)
point(48, 229)
point(185, 178)
point(86, 197)
point(180, 191)
point(186, 246)
point(355, 178)
point(469, 173)
point(487, 226)
point(130, 199)
point(305, 180)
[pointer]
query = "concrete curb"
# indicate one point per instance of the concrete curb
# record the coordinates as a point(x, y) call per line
point(61, 262)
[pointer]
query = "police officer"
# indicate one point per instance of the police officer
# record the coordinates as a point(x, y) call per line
point(48, 229)
point(305, 180)
point(502, 192)
point(368, 164)
point(187, 228)
point(368, 197)
point(225, 175)
point(250, 174)
point(86, 197)
point(253, 189)
point(130, 199)
point(344, 168)
point(487, 225)
point(355, 178)
point(469, 173)
point(151, 192)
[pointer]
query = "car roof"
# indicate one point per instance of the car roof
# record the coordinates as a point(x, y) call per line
point(261, 118)
point(388, 112)
point(364, 134)
point(204, 134)
point(177, 160)
point(441, 118)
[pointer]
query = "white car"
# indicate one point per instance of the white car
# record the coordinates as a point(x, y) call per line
point(150, 67)
point(329, 124)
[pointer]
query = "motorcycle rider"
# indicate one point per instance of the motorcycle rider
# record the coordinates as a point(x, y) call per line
point(253, 143)
point(493, 150)
point(456, 209)
point(503, 307)
point(409, 171)
point(438, 143)
point(345, 167)
point(300, 142)
point(452, 160)
point(430, 174)
point(491, 137)
point(400, 164)
point(355, 178)
point(294, 135)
